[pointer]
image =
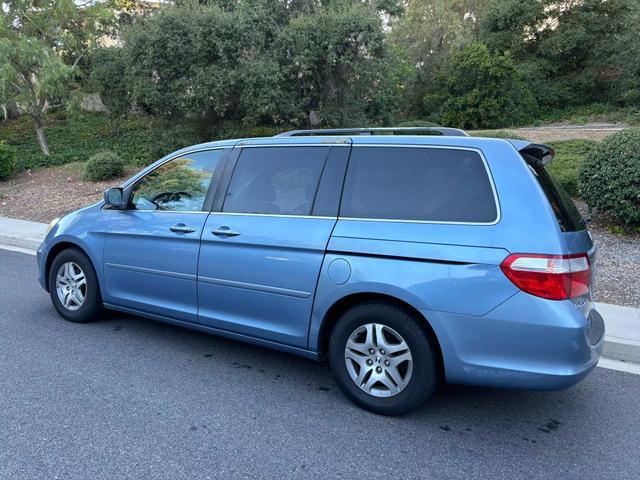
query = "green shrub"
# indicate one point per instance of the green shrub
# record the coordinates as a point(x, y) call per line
point(565, 167)
point(610, 176)
point(264, 131)
point(478, 89)
point(103, 166)
point(74, 137)
point(7, 159)
point(230, 129)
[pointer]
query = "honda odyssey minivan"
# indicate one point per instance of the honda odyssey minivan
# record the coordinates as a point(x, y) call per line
point(407, 257)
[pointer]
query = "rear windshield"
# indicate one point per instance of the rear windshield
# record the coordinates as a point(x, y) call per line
point(567, 214)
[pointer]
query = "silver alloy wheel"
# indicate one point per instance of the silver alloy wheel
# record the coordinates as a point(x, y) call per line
point(71, 286)
point(378, 360)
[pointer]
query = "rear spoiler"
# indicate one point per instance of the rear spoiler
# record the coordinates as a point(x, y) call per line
point(536, 152)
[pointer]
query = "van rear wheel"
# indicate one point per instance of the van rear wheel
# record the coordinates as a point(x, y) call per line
point(382, 359)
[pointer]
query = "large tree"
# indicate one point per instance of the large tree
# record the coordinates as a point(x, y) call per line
point(566, 51)
point(339, 67)
point(107, 80)
point(430, 32)
point(42, 45)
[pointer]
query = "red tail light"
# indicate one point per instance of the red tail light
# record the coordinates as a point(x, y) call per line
point(556, 277)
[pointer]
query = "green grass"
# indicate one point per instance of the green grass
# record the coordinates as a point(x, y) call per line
point(510, 134)
point(565, 167)
point(594, 113)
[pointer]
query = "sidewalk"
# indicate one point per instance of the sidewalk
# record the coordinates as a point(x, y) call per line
point(622, 340)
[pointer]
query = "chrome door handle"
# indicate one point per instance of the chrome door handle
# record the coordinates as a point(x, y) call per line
point(181, 228)
point(226, 231)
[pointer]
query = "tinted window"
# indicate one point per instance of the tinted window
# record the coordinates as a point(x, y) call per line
point(429, 184)
point(178, 185)
point(567, 214)
point(276, 180)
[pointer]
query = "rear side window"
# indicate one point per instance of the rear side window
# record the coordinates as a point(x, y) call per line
point(276, 180)
point(428, 184)
point(566, 213)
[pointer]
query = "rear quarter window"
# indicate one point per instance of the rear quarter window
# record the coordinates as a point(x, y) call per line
point(567, 215)
point(420, 184)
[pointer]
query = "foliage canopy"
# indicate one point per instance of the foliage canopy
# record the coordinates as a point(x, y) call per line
point(255, 63)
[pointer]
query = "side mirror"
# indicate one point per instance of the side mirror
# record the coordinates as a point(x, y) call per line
point(113, 198)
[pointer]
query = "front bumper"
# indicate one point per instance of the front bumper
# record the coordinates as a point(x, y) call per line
point(526, 342)
point(41, 256)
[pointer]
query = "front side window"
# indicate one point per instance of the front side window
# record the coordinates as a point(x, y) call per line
point(276, 180)
point(424, 184)
point(178, 185)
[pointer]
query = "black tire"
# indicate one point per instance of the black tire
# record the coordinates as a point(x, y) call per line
point(425, 375)
point(91, 308)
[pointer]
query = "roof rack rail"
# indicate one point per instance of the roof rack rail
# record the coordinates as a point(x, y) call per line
point(452, 132)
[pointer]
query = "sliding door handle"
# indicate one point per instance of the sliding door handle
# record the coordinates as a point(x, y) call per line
point(225, 231)
point(181, 228)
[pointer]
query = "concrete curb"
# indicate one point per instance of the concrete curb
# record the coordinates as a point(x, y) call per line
point(21, 242)
point(621, 349)
point(21, 233)
point(622, 324)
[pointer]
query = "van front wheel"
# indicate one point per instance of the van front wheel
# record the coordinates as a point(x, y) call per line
point(382, 359)
point(73, 287)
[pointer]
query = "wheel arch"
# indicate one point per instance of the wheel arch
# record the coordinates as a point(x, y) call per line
point(339, 307)
point(59, 247)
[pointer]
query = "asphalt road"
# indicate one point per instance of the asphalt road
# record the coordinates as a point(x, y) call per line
point(129, 398)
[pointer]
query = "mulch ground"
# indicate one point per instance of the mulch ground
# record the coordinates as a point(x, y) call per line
point(560, 133)
point(617, 262)
point(48, 193)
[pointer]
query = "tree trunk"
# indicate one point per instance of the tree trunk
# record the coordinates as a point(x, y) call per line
point(42, 137)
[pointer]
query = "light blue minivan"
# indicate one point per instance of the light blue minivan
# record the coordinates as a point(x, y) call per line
point(406, 256)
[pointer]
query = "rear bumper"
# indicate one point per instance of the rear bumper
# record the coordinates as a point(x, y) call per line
point(526, 342)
